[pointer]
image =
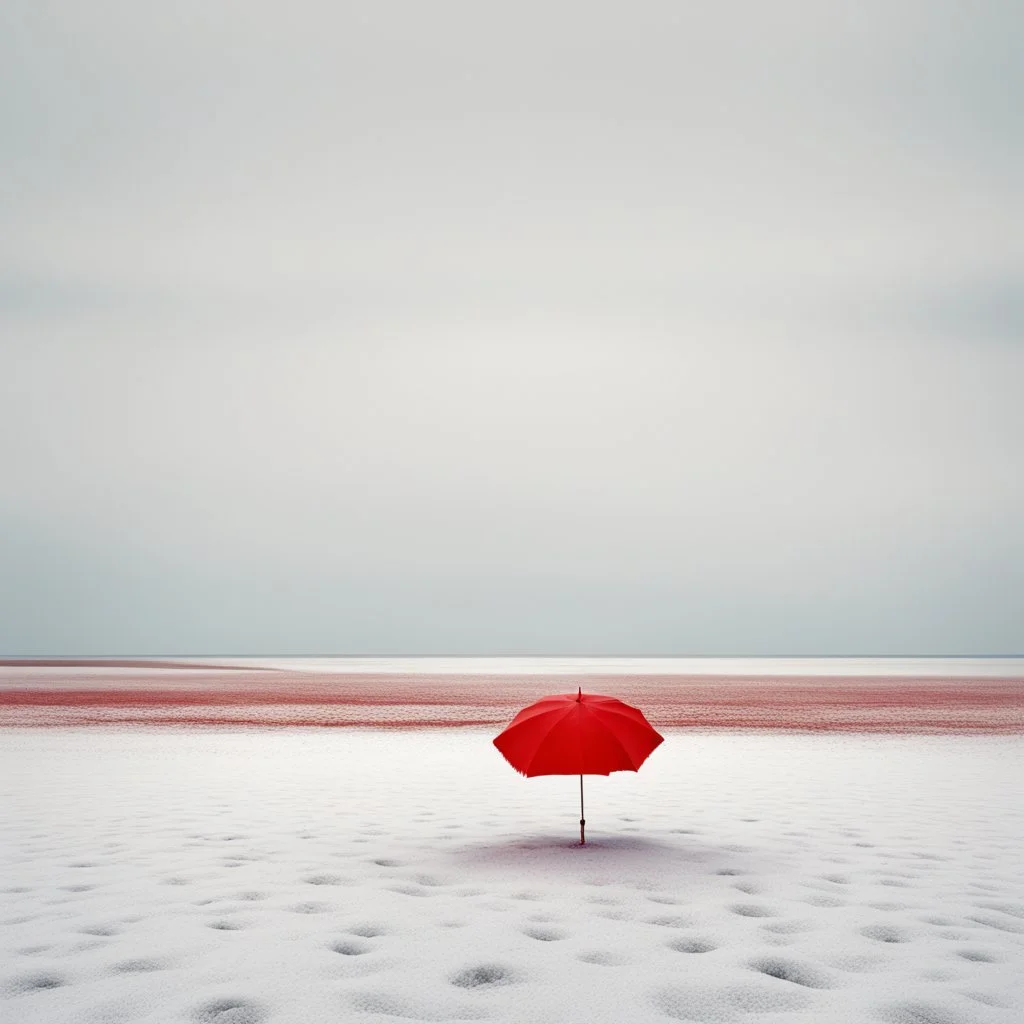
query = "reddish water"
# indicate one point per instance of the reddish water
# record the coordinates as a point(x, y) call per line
point(136, 695)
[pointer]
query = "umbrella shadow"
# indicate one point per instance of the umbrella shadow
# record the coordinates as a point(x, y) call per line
point(559, 851)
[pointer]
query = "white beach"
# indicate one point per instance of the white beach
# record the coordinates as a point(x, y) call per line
point(307, 876)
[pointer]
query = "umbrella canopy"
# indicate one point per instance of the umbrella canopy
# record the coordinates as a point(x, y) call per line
point(577, 734)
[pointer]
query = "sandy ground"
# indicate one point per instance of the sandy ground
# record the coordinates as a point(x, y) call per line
point(307, 876)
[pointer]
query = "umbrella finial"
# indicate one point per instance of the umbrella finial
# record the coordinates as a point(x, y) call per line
point(579, 693)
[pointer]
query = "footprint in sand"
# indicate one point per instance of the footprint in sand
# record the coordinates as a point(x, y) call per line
point(309, 907)
point(824, 900)
point(324, 880)
point(692, 945)
point(604, 958)
point(749, 888)
point(484, 976)
point(546, 934)
point(409, 890)
point(885, 933)
point(229, 1011)
point(36, 981)
point(350, 947)
point(979, 956)
point(105, 930)
point(792, 971)
point(752, 910)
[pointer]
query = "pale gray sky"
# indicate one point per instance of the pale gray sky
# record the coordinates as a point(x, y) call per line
point(466, 328)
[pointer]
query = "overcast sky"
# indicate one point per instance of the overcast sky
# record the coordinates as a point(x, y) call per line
point(472, 328)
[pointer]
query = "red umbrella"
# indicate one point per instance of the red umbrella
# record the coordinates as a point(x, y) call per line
point(577, 734)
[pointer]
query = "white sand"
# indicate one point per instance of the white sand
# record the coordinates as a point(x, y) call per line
point(336, 875)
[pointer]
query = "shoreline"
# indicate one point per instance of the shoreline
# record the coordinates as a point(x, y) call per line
point(255, 698)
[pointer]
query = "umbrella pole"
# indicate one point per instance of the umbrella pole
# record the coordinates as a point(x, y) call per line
point(583, 821)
